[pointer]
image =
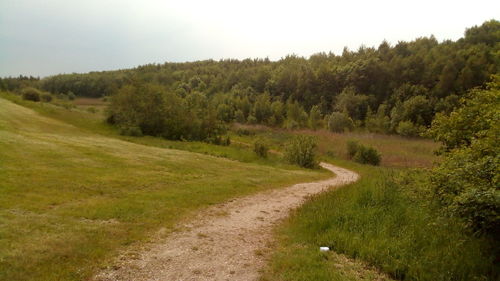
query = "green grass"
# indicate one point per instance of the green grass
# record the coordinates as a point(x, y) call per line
point(94, 123)
point(385, 220)
point(73, 194)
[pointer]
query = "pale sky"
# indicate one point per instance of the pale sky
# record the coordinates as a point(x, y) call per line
point(45, 37)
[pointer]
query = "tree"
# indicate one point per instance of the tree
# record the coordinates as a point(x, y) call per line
point(353, 104)
point(467, 182)
point(314, 117)
point(339, 122)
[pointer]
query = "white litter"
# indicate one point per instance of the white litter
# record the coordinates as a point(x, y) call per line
point(324, 249)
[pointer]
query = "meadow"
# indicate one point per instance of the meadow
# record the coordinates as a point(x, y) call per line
point(388, 221)
point(75, 193)
point(73, 198)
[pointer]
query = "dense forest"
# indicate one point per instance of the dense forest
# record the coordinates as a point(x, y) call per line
point(388, 89)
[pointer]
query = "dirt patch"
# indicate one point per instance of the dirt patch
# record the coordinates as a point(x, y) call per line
point(232, 246)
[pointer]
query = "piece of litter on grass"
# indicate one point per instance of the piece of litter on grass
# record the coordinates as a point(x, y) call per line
point(324, 249)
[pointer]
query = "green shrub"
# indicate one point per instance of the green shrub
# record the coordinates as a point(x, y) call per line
point(301, 150)
point(46, 97)
point(71, 95)
point(352, 148)
point(407, 129)
point(339, 122)
point(260, 147)
point(467, 181)
point(133, 131)
point(239, 116)
point(244, 132)
point(31, 94)
point(92, 109)
point(367, 155)
point(219, 140)
point(251, 119)
point(363, 154)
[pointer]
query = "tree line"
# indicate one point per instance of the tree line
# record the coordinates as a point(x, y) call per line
point(388, 89)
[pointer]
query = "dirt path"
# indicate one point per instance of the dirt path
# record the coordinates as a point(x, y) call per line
point(225, 242)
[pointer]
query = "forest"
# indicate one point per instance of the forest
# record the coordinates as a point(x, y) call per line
point(389, 89)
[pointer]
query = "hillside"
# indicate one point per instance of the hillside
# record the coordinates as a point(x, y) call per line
point(72, 198)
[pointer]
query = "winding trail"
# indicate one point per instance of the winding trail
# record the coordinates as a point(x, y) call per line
point(224, 242)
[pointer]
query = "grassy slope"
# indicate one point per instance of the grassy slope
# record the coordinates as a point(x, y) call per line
point(71, 198)
point(387, 225)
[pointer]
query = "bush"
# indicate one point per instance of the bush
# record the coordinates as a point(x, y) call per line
point(219, 140)
point(301, 150)
point(367, 155)
point(363, 154)
point(244, 132)
point(260, 147)
point(46, 97)
point(133, 131)
point(31, 94)
point(71, 95)
point(352, 148)
point(407, 129)
point(466, 181)
point(339, 122)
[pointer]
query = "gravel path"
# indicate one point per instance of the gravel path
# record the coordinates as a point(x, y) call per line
point(225, 242)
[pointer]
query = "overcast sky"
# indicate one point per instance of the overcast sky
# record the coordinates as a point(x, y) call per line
point(44, 37)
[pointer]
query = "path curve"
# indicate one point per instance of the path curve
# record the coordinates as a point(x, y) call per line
point(225, 242)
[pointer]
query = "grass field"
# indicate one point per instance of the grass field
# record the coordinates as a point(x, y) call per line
point(72, 198)
point(396, 151)
point(386, 221)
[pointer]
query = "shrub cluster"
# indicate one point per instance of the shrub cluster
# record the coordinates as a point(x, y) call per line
point(31, 94)
point(363, 154)
point(159, 112)
point(46, 97)
point(467, 181)
point(260, 147)
point(339, 122)
point(301, 150)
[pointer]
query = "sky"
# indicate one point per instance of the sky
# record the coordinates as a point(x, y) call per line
point(47, 37)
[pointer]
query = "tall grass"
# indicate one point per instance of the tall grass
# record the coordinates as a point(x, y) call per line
point(386, 222)
point(396, 151)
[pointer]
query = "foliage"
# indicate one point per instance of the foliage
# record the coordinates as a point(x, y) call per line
point(133, 131)
point(301, 150)
point(379, 122)
point(352, 148)
point(406, 82)
point(339, 122)
point(363, 154)
point(71, 96)
point(367, 155)
point(31, 94)
point(158, 112)
point(467, 181)
point(46, 97)
point(260, 147)
point(387, 221)
point(407, 129)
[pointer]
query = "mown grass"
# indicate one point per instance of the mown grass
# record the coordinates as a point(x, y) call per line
point(385, 220)
point(72, 198)
point(95, 123)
